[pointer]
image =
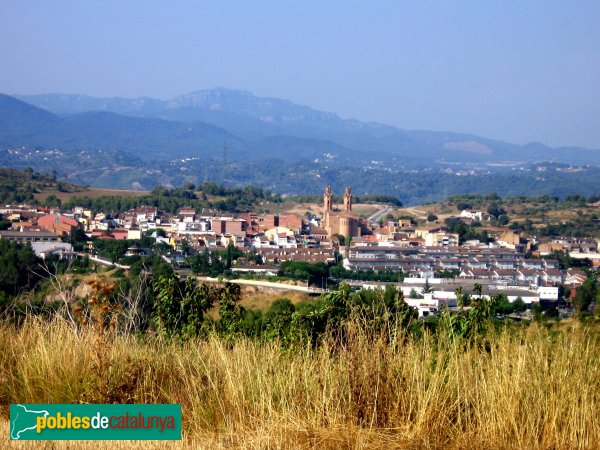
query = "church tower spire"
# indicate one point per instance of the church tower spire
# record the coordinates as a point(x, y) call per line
point(348, 199)
point(328, 200)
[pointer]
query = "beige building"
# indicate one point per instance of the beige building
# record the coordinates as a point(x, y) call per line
point(436, 237)
point(441, 239)
point(345, 223)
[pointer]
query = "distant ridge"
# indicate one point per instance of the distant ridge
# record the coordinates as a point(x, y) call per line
point(22, 124)
point(246, 121)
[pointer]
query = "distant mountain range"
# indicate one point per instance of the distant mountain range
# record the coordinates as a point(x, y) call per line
point(235, 138)
point(200, 124)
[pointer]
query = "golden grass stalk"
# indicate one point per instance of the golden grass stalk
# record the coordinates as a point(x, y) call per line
point(529, 388)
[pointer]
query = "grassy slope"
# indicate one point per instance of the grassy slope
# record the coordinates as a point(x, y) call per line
point(530, 389)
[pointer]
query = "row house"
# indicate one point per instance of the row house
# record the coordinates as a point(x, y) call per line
point(473, 263)
point(575, 277)
point(533, 263)
point(502, 263)
point(505, 274)
point(584, 247)
point(450, 263)
point(570, 244)
point(418, 272)
point(553, 276)
point(529, 275)
point(277, 255)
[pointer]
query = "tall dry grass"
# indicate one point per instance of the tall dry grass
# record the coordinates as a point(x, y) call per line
point(529, 388)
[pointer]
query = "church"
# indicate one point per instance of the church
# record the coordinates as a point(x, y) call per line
point(345, 223)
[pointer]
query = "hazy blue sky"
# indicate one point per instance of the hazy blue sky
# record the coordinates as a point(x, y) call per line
point(513, 70)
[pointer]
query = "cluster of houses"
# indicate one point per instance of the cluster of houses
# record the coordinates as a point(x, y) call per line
point(432, 255)
point(275, 238)
point(470, 261)
point(40, 227)
point(496, 268)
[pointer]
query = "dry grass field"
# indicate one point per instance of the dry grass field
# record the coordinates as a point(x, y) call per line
point(262, 298)
point(528, 387)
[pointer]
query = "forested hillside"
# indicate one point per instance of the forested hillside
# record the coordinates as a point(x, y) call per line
point(18, 186)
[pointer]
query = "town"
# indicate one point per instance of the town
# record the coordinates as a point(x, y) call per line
point(433, 266)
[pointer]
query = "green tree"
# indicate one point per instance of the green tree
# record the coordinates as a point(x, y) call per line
point(586, 294)
point(315, 273)
point(414, 294)
point(503, 220)
point(552, 312)
point(19, 267)
point(459, 297)
point(229, 256)
point(537, 311)
point(185, 247)
point(52, 200)
point(232, 314)
point(519, 305)
point(180, 307)
point(466, 299)
point(207, 263)
point(502, 305)
point(278, 320)
point(495, 210)
point(427, 287)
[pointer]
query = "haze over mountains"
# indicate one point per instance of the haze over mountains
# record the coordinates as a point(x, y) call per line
point(253, 128)
point(235, 138)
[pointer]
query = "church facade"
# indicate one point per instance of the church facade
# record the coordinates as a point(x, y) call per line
point(345, 222)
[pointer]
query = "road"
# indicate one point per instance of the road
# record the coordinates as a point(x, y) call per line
point(374, 218)
point(266, 284)
point(102, 261)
